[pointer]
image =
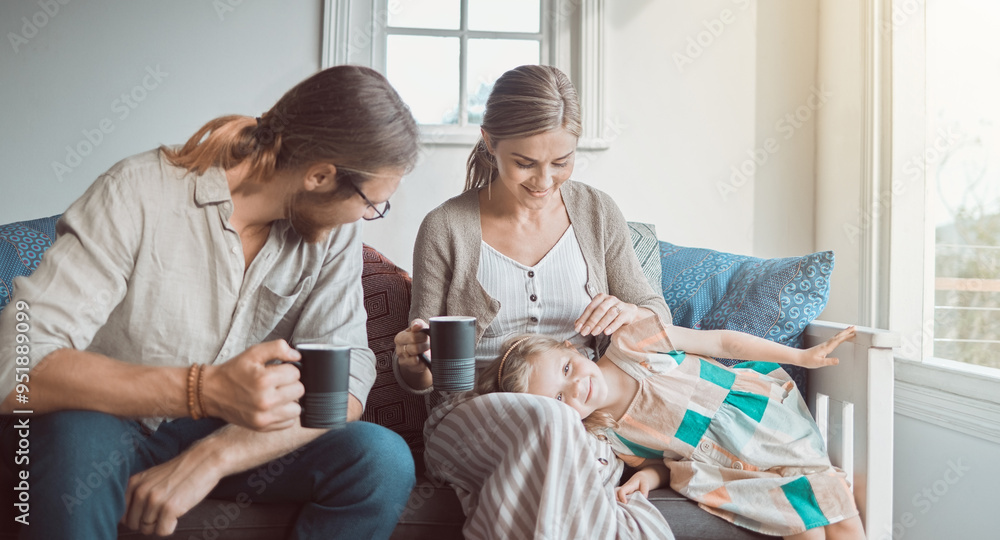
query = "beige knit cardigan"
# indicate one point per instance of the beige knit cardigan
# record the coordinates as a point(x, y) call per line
point(446, 258)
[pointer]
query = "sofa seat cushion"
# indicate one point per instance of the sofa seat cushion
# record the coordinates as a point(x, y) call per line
point(689, 522)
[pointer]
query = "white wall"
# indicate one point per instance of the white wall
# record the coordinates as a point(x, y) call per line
point(945, 484)
point(838, 150)
point(71, 74)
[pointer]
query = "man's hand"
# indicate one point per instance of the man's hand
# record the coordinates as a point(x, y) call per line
point(156, 498)
point(247, 392)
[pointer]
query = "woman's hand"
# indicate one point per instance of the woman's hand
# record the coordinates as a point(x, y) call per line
point(410, 343)
point(607, 313)
point(816, 357)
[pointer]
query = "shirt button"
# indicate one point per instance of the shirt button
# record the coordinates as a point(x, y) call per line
point(236, 250)
point(534, 298)
point(591, 289)
point(602, 461)
point(705, 446)
point(531, 273)
point(738, 465)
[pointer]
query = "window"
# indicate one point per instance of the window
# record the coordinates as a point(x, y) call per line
point(963, 128)
point(943, 123)
point(443, 56)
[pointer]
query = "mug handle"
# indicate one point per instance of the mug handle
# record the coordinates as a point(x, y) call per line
point(423, 357)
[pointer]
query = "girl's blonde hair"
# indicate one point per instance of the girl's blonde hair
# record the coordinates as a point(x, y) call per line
point(525, 101)
point(349, 116)
point(511, 372)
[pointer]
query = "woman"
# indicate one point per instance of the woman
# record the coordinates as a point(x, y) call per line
point(174, 283)
point(525, 249)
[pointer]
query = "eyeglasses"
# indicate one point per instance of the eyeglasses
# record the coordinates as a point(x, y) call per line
point(378, 213)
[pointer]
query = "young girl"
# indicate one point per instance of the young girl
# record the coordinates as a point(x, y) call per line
point(740, 441)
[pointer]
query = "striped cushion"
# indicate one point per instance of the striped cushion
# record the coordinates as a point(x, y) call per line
point(647, 249)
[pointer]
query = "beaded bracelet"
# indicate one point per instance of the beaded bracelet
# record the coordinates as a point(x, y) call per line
point(201, 392)
point(191, 391)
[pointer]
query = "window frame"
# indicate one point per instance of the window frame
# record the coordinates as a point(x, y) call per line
point(959, 396)
point(354, 32)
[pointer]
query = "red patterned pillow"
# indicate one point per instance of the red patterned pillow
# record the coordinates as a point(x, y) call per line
point(387, 300)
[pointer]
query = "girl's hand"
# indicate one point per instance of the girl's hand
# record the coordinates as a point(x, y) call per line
point(409, 344)
point(606, 314)
point(642, 481)
point(815, 357)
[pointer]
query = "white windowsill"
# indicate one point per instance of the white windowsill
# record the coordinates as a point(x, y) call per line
point(953, 395)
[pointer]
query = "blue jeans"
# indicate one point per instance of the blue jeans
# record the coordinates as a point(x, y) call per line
point(352, 483)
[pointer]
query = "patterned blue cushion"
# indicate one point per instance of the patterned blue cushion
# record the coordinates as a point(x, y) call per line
point(21, 247)
point(770, 298)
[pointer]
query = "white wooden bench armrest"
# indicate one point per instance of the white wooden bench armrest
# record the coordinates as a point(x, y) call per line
point(853, 404)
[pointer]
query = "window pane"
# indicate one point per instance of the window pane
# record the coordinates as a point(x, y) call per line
point(963, 167)
point(442, 14)
point(424, 70)
point(488, 59)
point(505, 15)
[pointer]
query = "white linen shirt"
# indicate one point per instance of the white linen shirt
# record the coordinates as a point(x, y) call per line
point(147, 269)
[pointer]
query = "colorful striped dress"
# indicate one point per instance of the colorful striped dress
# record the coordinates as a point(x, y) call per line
point(740, 441)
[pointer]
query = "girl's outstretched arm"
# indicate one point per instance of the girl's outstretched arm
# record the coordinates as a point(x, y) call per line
point(732, 344)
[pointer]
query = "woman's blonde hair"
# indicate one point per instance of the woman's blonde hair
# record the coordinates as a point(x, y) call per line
point(511, 372)
point(525, 101)
point(349, 116)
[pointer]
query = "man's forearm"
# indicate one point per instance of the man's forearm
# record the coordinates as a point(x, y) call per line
point(233, 449)
point(71, 379)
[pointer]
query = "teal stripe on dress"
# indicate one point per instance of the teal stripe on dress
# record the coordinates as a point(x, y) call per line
point(678, 356)
point(760, 367)
point(717, 375)
point(692, 427)
point(639, 450)
point(800, 494)
point(752, 405)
